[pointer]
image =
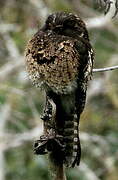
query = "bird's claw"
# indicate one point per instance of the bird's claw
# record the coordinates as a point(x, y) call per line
point(48, 143)
point(40, 147)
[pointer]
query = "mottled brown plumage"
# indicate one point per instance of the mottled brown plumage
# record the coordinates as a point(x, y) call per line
point(59, 58)
point(55, 63)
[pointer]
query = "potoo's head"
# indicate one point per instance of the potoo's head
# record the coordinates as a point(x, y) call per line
point(67, 24)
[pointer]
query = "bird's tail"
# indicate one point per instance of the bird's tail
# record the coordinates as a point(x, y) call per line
point(72, 142)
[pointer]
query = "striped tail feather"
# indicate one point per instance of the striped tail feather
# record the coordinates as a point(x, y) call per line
point(72, 142)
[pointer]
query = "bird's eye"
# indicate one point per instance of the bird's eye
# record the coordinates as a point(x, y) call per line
point(69, 23)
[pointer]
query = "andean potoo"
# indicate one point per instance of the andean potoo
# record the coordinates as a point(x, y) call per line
point(59, 58)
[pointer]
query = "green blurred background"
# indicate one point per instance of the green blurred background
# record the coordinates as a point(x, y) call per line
point(21, 104)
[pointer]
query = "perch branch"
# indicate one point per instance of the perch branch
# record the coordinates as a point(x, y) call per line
point(58, 170)
point(60, 174)
point(105, 69)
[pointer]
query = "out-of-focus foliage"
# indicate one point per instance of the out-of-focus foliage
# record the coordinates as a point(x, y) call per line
point(21, 104)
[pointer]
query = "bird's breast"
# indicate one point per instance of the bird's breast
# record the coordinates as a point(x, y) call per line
point(53, 63)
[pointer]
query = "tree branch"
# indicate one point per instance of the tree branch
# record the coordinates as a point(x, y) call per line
point(105, 69)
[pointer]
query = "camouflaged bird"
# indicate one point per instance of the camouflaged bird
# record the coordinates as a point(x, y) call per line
point(59, 58)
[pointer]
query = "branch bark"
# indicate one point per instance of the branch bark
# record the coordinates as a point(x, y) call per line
point(59, 172)
point(105, 69)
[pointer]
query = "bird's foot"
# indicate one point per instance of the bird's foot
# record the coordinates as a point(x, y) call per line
point(48, 143)
point(40, 146)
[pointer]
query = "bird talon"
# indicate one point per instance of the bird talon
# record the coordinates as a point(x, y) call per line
point(40, 147)
point(48, 143)
point(43, 138)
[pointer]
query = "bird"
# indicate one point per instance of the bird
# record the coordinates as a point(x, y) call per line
point(59, 60)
